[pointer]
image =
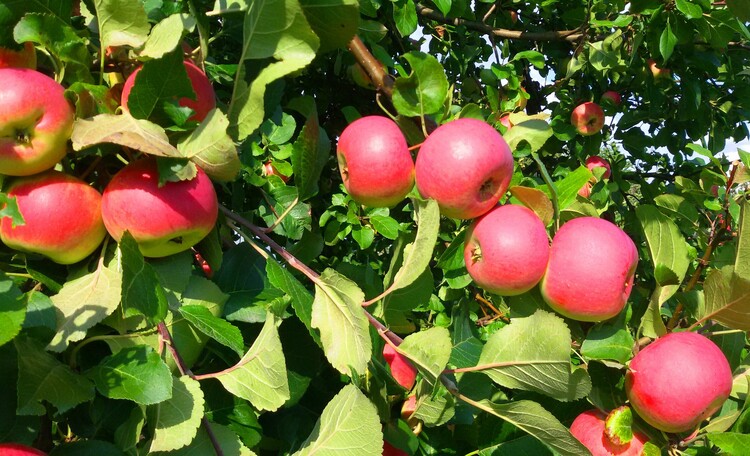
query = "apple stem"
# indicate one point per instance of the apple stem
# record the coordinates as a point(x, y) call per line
point(552, 189)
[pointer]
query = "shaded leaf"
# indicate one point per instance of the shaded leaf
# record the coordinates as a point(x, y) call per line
point(121, 23)
point(135, 373)
point(141, 291)
point(536, 200)
point(12, 309)
point(214, 327)
point(334, 21)
point(418, 254)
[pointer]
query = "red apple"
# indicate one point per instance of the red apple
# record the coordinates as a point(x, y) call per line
point(16, 449)
point(36, 122)
point(590, 271)
point(390, 450)
point(23, 58)
point(466, 166)
point(612, 98)
point(205, 98)
point(589, 429)
point(678, 381)
point(505, 122)
point(62, 216)
point(596, 161)
point(375, 162)
point(402, 370)
point(657, 71)
point(506, 250)
point(270, 170)
point(588, 118)
point(163, 220)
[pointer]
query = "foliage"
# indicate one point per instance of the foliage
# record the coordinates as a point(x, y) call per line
point(267, 337)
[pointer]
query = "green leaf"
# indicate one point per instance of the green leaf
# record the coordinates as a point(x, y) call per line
point(619, 425)
point(666, 244)
point(141, 291)
point(121, 23)
point(363, 235)
point(158, 82)
point(87, 448)
point(740, 8)
point(334, 21)
point(349, 425)
point(344, 329)
point(134, 373)
point(84, 302)
point(727, 299)
point(535, 132)
point(210, 147)
point(667, 42)
point(538, 422)
point(203, 445)
point(128, 434)
point(260, 376)
point(444, 6)
point(58, 37)
point(167, 35)
point(405, 17)
point(418, 254)
point(741, 263)
point(730, 442)
point(277, 29)
point(425, 90)
point(567, 188)
point(302, 299)
point(434, 408)
point(535, 58)
point(387, 226)
point(12, 309)
point(9, 208)
point(310, 153)
point(689, 9)
point(429, 351)
point(13, 10)
point(13, 426)
point(533, 354)
point(123, 130)
point(216, 328)
point(609, 340)
point(179, 417)
point(42, 378)
point(175, 170)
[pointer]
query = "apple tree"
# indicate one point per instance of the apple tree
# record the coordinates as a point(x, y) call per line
point(249, 299)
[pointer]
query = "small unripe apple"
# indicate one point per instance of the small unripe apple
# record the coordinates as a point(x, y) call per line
point(657, 71)
point(589, 429)
point(591, 269)
point(16, 449)
point(375, 162)
point(36, 122)
point(163, 220)
point(23, 58)
point(588, 118)
point(402, 370)
point(62, 216)
point(612, 98)
point(678, 381)
point(507, 250)
point(466, 166)
point(205, 98)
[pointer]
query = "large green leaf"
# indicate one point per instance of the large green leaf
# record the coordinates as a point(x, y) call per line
point(203, 444)
point(135, 373)
point(536, 132)
point(429, 351)
point(121, 23)
point(334, 21)
point(609, 340)
point(349, 425)
point(141, 291)
point(167, 35)
point(310, 153)
point(727, 299)
point(425, 90)
point(742, 257)
point(568, 187)
point(210, 147)
point(56, 35)
point(730, 442)
point(178, 418)
point(12, 309)
point(214, 327)
point(302, 299)
point(124, 130)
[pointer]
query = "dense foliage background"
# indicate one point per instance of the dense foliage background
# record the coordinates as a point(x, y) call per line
point(266, 347)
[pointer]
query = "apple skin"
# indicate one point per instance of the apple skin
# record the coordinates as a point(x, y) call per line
point(466, 166)
point(507, 250)
point(402, 370)
point(375, 162)
point(16, 449)
point(596, 161)
point(678, 381)
point(205, 97)
point(657, 71)
point(588, 118)
point(505, 122)
point(390, 450)
point(36, 122)
point(23, 58)
point(612, 98)
point(589, 429)
point(163, 220)
point(590, 271)
point(62, 216)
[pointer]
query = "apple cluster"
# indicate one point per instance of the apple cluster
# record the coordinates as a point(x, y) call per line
point(65, 218)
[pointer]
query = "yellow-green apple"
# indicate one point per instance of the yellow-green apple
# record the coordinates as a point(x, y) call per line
point(164, 220)
point(592, 163)
point(678, 381)
point(507, 250)
point(36, 122)
point(657, 71)
point(588, 118)
point(402, 370)
point(466, 166)
point(205, 97)
point(62, 216)
point(21, 58)
point(589, 429)
point(16, 449)
point(375, 162)
point(611, 97)
point(586, 248)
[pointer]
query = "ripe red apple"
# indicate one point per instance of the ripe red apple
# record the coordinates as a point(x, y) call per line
point(678, 381)
point(23, 58)
point(507, 250)
point(62, 216)
point(375, 162)
point(590, 271)
point(402, 370)
point(588, 118)
point(36, 122)
point(466, 166)
point(596, 161)
point(390, 450)
point(270, 170)
point(657, 71)
point(16, 449)
point(589, 429)
point(163, 220)
point(612, 98)
point(205, 98)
